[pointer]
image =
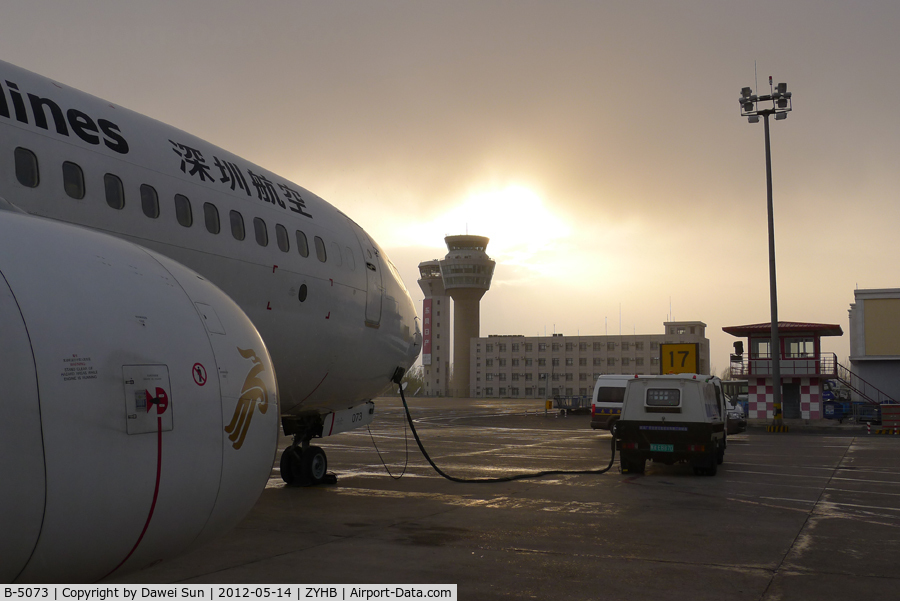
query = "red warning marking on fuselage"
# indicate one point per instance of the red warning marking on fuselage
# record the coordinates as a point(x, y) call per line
point(199, 373)
point(161, 401)
point(274, 267)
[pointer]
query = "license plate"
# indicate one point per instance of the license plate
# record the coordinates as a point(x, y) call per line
point(662, 448)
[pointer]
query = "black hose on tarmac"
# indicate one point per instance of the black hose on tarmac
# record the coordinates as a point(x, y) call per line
point(511, 478)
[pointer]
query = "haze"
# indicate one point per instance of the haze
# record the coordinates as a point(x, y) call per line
point(598, 144)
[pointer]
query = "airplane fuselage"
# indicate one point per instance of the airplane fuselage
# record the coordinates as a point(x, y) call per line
point(330, 306)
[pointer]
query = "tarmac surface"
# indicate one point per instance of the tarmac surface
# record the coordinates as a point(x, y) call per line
point(801, 515)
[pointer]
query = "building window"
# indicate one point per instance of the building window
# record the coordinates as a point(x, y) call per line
point(211, 218)
point(529, 362)
point(237, 225)
point(555, 361)
point(759, 348)
point(489, 348)
point(488, 376)
point(654, 346)
point(639, 346)
point(515, 376)
point(598, 346)
point(73, 180)
point(610, 346)
point(582, 362)
point(570, 346)
point(570, 377)
point(598, 361)
point(149, 201)
point(542, 362)
point(515, 362)
point(542, 346)
point(502, 362)
point(680, 331)
point(654, 360)
point(693, 329)
point(515, 347)
point(555, 346)
point(799, 348)
point(582, 377)
point(570, 361)
point(639, 361)
point(582, 346)
point(502, 377)
point(183, 210)
point(529, 347)
point(611, 361)
point(625, 345)
point(115, 191)
point(529, 377)
point(625, 361)
point(501, 347)
point(488, 362)
point(27, 168)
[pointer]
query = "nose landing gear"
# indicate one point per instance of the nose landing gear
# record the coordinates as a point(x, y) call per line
point(305, 466)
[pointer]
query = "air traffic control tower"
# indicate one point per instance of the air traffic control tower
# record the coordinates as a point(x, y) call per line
point(466, 272)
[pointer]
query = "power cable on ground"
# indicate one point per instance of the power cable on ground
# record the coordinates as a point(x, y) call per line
point(503, 478)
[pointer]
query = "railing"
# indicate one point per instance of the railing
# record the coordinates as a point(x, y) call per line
point(866, 391)
point(825, 366)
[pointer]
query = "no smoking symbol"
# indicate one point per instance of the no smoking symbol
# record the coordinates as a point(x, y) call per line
point(199, 374)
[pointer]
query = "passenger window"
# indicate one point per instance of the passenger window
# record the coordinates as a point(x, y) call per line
point(237, 225)
point(262, 235)
point(320, 249)
point(336, 253)
point(302, 244)
point(183, 212)
point(149, 201)
point(27, 168)
point(115, 192)
point(73, 180)
point(281, 236)
point(211, 217)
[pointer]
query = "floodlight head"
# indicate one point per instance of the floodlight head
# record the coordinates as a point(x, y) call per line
point(780, 116)
point(753, 118)
point(747, 106)
point(745, 92)
point(782, 88)
point(782, 103)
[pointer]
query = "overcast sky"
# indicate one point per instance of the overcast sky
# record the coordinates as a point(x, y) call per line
point(598, 144)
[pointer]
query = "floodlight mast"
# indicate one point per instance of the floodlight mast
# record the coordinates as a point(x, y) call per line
point(781, 106)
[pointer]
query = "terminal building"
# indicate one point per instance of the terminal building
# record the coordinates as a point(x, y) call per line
point(545, 366)
point(875, 342)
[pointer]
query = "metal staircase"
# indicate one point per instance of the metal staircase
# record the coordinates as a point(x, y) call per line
point(865, 391)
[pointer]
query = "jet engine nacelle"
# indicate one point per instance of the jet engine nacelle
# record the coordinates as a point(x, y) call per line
point(138, 405)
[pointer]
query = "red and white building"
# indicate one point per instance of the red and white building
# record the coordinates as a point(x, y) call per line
point(803, 367)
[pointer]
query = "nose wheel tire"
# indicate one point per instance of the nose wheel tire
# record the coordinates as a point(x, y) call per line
point(303, 467)
point(314, 465)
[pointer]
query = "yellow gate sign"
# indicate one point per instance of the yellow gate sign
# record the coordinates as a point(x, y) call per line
point(682, 358)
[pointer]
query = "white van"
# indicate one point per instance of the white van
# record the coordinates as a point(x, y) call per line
point(606, 405)
point(679, 417)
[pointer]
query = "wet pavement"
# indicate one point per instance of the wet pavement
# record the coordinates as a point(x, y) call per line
point(802, 515)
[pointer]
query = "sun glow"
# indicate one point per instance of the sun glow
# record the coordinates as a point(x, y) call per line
point(523, 231)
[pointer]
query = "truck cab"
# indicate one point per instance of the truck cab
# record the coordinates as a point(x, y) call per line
point(672, 418)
